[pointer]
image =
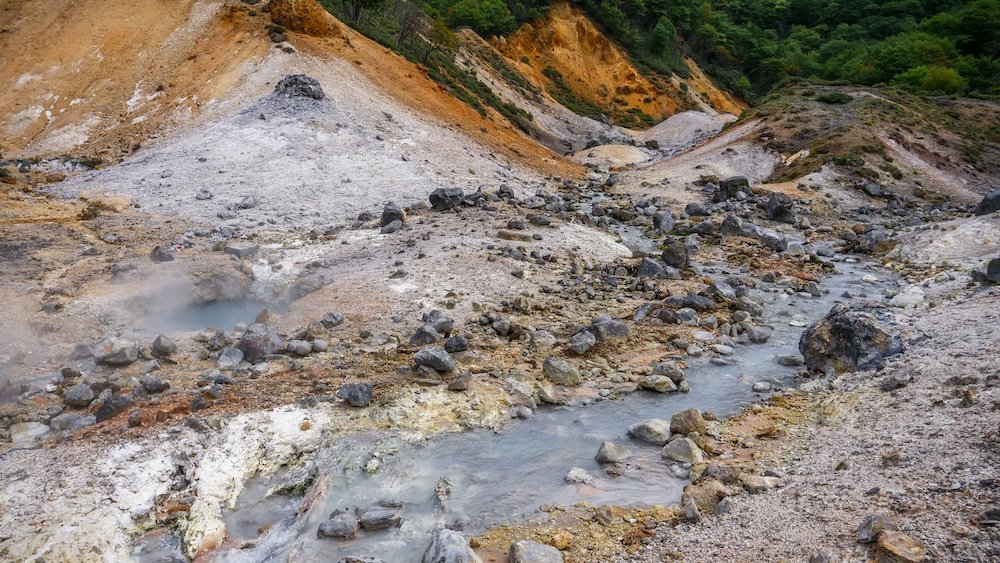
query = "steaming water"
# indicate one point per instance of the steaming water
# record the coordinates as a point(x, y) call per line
point(224, 314)
point(500, 477)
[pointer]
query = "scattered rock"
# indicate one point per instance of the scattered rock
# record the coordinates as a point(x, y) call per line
point(579, 476)
point(435, 358)
point(533, 552)
point(675, 254)
point(241, 249)
point(850, 337)
point(606, 329)
point(162, 253)
point(683, 450)
point(258, 342)
point(112, 407)
point(230, 358)
point(153, 384)
point(780, 208)
point(688, 421)
point(446, 198)
point(356, 394)
point(449, 546)
point(392, 213)
point(560, 371)
point(27, 431)
point(116, 352)
point(658, 383)
point(902, 547)
point(342, 525)
point(379, 518)
point(609, 452)
point(298, 347)
point(71, 421)
point(872, 526)
point(79, 396)
point(990, 203)
point(654, 430)
point(582, 342)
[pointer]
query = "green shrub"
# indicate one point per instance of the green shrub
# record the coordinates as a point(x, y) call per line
point(834, 98)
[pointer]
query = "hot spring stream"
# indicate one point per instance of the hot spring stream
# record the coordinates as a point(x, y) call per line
point(505, 476)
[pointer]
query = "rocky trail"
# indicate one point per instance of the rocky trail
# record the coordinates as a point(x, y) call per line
point(319, 321)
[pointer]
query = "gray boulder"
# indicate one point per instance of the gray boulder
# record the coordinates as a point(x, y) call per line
point(162, 253)
point(342, 525)
point(582, 342)
point(533, 552)
point(153, 384)
point(356, 394)
point(850, 337)
point(391, 213)
point(610, 452)
point(379, 518)
point(71, 421)
point(990, 203)
point(112, 407)
point(683, 450)
point(79, 396)
point(116, 352)
point(435, 358)
point(258, 342)
point(729, 187)
point(425, 335)
point(560, 371)
point(446, 198)
point(875, 241)
point(654, 430)
point(664, 221)
point(606, 329)
point(230, 358)
point(449, 546)
point(163, 346)
point(993, 270)
point(675, 254)
point(780, 208)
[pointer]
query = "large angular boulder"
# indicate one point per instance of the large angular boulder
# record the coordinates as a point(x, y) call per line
point(780, 208)
point(446, 198)
point(435, 358)
point(560, 371)
point(850, 337)
point(258, 342)
point(675, 254)
point(116, 352)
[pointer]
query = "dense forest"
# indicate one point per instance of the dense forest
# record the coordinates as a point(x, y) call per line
point(939, 46)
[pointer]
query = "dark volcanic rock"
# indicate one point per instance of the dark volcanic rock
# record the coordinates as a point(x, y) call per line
point(162, 253)
point(112, 407)
point(300, 86)
point(675, 254)
point(356, 394)
point(259, 341)
point(990, 203)
point(392, 212)
point(435, 358)
point(446, 198)
point(781, 208)
point(850, 337)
